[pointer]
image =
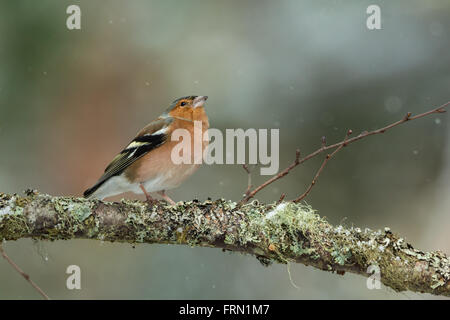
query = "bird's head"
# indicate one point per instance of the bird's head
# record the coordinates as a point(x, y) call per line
point(189, 107)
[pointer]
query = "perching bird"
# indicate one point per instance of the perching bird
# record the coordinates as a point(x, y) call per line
point(145, 165)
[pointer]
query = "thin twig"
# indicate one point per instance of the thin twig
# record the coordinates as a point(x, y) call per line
point(23, 274)
point(274, 178)
point(325, 161)
point(324, 147)
point(283, 195)
point(249, 179)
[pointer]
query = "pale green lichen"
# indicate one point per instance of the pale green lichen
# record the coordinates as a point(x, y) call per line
point(282, 228)
point(341, 255)
point(12, 206)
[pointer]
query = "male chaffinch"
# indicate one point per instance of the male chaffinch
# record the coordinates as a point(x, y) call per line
point(145, 165)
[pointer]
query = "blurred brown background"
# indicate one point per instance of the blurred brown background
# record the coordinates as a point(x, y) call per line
point(70, 100)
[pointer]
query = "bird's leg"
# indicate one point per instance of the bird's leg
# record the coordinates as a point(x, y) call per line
point(150, 200)
point(166, 197)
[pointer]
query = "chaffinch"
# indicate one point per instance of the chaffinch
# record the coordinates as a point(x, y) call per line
point(145, 164)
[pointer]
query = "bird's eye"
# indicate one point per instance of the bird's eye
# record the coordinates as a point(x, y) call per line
point(183, 104)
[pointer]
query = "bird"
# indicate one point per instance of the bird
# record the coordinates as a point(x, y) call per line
point(145, 165)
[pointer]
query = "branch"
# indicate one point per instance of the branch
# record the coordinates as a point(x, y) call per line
point(297, 161)
point(273, 233)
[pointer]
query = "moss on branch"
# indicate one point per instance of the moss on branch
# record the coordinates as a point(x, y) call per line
point(272, 233)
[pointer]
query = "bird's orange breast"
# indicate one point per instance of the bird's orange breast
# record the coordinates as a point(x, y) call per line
point(158, 164)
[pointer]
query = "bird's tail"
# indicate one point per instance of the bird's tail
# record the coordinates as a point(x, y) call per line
point(89, 193)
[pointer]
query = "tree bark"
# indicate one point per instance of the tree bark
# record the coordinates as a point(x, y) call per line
point(285, 232)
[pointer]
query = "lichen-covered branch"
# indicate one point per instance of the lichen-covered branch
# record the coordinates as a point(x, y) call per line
point(272, 233)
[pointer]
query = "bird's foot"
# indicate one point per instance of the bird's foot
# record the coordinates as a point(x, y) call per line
point(166, 197)
point(150, 200)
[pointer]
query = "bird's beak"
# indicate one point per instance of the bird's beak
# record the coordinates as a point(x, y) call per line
point(199, 101)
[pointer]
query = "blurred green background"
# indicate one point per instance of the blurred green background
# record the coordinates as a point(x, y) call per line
point(71, 99)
